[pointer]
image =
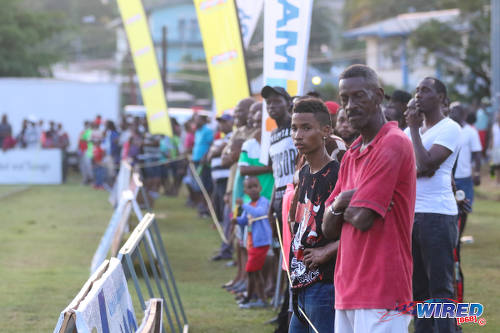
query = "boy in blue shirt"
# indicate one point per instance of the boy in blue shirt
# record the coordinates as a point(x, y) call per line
point(259, 238)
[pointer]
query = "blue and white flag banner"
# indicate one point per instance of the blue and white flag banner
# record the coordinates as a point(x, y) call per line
point(248, 13)
point(287, 25)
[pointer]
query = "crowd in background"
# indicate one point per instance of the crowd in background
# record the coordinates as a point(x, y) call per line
point(33, 134)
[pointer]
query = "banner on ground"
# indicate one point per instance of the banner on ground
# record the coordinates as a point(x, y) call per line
point(220, 31)
point(287, 24)
point(248, 13)
point(31, 166)
point(102, 305)
point(144, 56)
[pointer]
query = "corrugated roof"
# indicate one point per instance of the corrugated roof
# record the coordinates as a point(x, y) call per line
point(403, 24)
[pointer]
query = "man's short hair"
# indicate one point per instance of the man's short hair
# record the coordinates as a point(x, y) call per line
point(314, 106)
point(401, 96)
point(361, 71)
point(439, 87)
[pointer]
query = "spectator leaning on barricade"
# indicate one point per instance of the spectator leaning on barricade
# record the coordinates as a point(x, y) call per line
point(171, 173)
point(436, 141)
point(112, 148)
point(258, 240)
point(396, 107)
point(312, 256)
point(282, 158)
point(203, 138)
point(242, 132)
point(371, 211)
point(469, 152)
point(344, 129)
point(220, 174)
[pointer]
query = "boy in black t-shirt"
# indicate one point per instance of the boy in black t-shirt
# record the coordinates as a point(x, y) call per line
point(312, 257)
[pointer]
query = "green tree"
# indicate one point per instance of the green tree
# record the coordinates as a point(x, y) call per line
point(25, 37)
point(89, 36)
point(361, 12)
point(465, 61)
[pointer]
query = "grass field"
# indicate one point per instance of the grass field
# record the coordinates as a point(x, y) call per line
point(48, 235)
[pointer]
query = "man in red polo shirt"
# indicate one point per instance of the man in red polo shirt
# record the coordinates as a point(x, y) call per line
point(372, 214)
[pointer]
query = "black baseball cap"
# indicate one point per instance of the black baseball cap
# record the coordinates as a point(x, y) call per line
point(268, 90)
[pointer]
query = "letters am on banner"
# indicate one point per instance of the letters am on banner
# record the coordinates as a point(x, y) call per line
point(144, 56)
point(287, 25)
point(220, 31)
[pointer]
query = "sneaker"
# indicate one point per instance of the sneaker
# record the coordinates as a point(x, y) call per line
point(230, 264)
point(258, 304)
point(219, 256)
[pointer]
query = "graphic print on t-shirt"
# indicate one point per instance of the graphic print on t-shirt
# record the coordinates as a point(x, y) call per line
point(283, 153)
point(306, 234)
point(314, 190)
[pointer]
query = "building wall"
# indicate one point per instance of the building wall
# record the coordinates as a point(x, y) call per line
point(183, 33)
point(389, 67)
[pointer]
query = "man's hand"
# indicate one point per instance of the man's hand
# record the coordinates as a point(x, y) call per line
point(343, 200)
point(239, 202)
point(414, 118)
point(313, 258)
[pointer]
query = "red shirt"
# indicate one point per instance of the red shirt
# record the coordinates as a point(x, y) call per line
point(98, 153)
point(374, 268)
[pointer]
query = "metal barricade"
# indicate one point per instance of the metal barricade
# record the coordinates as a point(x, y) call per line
point(146, 236)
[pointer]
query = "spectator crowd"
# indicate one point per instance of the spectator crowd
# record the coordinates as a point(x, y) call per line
point(364, 200)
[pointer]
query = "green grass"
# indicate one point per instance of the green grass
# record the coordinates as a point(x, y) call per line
point(48, 235)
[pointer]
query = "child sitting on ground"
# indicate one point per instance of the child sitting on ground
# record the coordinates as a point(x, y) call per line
point(259, 238)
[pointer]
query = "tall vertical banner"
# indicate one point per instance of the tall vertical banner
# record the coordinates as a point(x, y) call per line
point(287, 25)
point(144, 56)
point(220, 31)
point(249, 13)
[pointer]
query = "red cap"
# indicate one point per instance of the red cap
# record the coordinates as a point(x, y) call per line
point(332, 107)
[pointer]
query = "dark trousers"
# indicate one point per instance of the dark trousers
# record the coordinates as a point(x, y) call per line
point(218, 197)
point(434, 238)
point(226, 249)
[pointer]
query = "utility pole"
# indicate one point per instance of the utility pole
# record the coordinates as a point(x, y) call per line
point(164, 58)
point(495, 54)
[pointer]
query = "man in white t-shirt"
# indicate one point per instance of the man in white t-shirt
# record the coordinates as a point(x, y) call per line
point(470, 153)
point(435, 231)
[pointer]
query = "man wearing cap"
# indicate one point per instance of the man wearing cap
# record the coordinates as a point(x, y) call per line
point(282, 151)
